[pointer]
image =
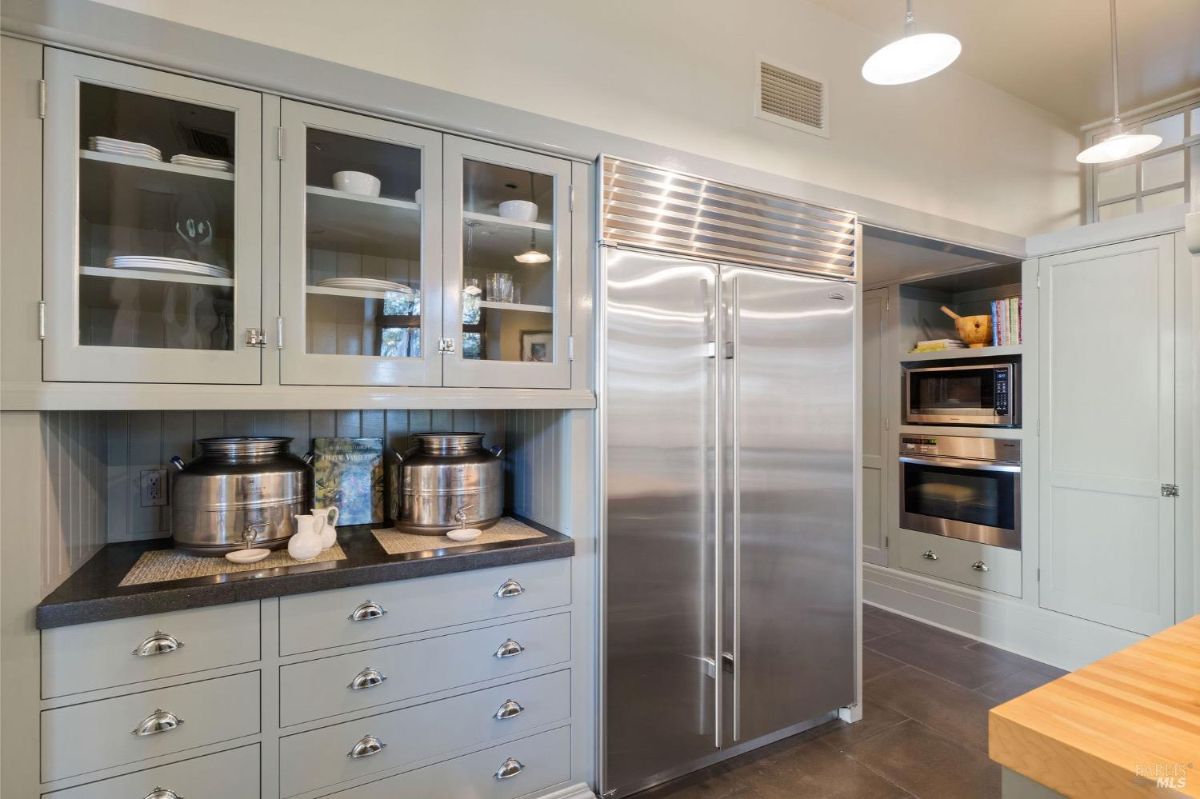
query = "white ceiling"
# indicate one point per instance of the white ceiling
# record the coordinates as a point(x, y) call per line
point(1055, 53)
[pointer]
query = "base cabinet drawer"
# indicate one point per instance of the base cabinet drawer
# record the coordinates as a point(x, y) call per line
point(105, 654)
point(326, 619)
point(354, 749)
point(967, 562)
point(321, 688)
point(543, 760)
point(78, 739)
point(226, 775)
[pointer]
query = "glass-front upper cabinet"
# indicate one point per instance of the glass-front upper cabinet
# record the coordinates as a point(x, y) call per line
point(152, 244)
point(507, 242)
point(360, 249)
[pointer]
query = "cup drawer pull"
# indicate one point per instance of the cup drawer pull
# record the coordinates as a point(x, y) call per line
point(929, 554)
point(980, 566)
point(367, 678)
point(367, 746)
point(509, 649)
point(163, 793)
point(509, 709)
point(158, 722)
point(158, 644)
point(509, 769)
point(509, 589)
point(368, 611)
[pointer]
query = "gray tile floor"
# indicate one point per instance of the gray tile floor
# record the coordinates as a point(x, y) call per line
point(926, 695)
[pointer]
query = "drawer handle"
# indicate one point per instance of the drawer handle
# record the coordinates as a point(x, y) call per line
point(158, 721)
point(980, 566)
point(163, 793)
point(509, 649)
point(367, 678)
point(929, 554)
point(367, 611)
point(367, 746)
point(509, 709)
point(158, 644)
point(509, 589)
point(509, 769)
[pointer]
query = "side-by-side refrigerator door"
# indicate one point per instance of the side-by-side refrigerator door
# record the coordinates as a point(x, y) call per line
point(788, 383)
point(659, 580)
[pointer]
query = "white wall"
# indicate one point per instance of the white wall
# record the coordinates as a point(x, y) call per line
point(681, 73)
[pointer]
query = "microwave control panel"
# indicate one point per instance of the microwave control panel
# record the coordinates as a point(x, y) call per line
point(1000, 392)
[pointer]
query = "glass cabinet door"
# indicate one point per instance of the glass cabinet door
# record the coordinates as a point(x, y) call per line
point(508, 289)
point(361, 257)
point(152, 246)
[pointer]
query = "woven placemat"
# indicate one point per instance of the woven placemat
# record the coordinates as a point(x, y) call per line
point(166, 565)
point(395, 542)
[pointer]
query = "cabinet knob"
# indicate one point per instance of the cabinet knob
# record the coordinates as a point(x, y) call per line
point(157, 722)
point(980, 566)
point(509, 709)
point(367, 678)
point(163, 793)
point(367, 611)
point(929, 554)
point(158, 644)
point(509, 588)
point(367, 746)
point(509, 769)
point(509, 649)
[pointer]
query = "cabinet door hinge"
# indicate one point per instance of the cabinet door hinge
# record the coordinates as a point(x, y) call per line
point(570, 348)
point(887, 423)
point(571, 199)
point(42, 99)
point(1170, 490)
point(887, 303)
point(445, 345)
point(279, 141)
point(278, 332)
point(887, 543)
point(1038, 577)
point(41, 323)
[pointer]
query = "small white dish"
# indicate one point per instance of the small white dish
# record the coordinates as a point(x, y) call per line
point(464, 534)
point(359, 183)
point(247, 555)
point(519, 210)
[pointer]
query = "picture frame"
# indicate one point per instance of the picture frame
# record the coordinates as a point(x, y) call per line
point(537, 346)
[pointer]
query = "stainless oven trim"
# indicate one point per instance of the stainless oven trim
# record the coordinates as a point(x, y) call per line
point(966, 531)
point(981, 419)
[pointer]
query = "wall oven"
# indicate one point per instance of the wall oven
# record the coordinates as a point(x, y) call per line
point(968, 488)
point(978, 394)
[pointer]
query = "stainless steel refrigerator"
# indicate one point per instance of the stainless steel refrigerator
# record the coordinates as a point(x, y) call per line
point(728, 527)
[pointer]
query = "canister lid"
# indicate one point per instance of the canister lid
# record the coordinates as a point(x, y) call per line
point(243, 448)
point(449, 443)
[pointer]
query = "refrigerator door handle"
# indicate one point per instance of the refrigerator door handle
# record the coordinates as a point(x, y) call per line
point(732, 348)
point(715, 313)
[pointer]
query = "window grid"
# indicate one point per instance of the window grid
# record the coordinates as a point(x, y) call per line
point(1190, 113)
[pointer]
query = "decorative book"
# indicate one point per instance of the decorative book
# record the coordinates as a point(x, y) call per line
point(349, 476)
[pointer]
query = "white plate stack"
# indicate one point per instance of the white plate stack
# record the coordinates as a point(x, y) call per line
point(202, 163)
point(177, 266)
point(104, 144)
point(364, 284)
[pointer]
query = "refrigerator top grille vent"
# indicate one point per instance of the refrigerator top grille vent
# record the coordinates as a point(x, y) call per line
point(791, 99)
point(657, 209)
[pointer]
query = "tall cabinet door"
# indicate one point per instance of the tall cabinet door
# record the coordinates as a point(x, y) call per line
point(659, 584)
point(875, 361)
point(360, 248)
point(152, 243)
point(789, 476)
point(1108, 426)
point(508, 267)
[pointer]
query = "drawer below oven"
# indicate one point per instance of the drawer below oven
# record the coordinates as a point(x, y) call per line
point(967, 562)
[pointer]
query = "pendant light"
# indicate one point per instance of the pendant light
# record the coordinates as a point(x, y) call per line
point(1119, 145)
point(911, 58)
point(533, 255)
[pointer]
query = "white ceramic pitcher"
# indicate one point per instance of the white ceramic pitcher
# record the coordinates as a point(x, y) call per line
point(305, 543)
point(326, 521)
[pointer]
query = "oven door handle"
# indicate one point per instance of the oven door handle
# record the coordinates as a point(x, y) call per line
point(960, 463)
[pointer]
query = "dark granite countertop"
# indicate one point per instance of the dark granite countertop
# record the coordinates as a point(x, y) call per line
point(93, 593)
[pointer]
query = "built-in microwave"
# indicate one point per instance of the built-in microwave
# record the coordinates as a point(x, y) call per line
point(981, 394)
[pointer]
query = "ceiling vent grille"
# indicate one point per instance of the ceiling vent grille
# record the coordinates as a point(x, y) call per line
point(787, 98)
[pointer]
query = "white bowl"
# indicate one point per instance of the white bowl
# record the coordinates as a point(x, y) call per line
point(461, 534)
point(356, 183)
point(247, 555)
point(520, 210)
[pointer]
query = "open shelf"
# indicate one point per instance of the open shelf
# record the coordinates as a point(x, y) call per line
point(491, 220)
point(515, 306)
point(368, 294)
point(389, 202)
point(965, 353)
point(156, 277)
point(158, 166)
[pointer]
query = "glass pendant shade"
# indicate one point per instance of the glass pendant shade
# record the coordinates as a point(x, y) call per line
point(911, 58)
point(1119, 147)
point(531, 256)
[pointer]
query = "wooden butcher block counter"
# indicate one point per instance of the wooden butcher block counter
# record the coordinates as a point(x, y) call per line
point(1127, 725)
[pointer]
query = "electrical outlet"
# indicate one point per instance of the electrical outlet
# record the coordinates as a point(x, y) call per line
point(154, 487)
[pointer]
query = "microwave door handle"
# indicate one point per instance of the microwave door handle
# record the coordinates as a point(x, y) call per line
point(957, 463)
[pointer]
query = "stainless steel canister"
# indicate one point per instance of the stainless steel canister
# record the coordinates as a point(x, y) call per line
point(238, 484)
point(447, 473)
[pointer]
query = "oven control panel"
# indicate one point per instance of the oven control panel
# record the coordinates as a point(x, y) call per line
point(1000, 450)
point(912, 445)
